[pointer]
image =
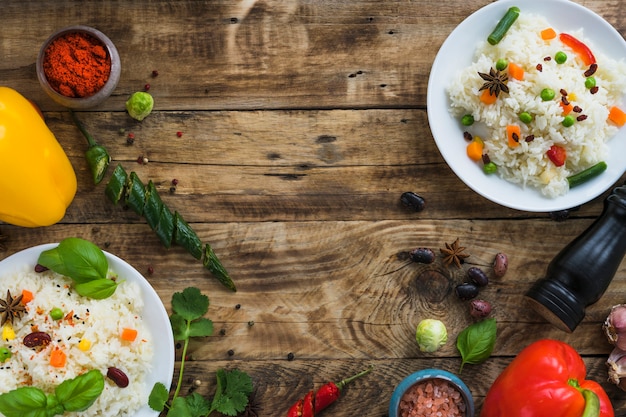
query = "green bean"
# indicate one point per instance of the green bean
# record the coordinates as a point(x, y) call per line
point(547, 94)
point(587, 174)
point(503, 25)
point(560, 57)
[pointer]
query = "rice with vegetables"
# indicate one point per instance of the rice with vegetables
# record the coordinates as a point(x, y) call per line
point(89, 333)
point(553, 138)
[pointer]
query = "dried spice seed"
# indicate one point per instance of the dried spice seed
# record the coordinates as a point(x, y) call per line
point(565, 101)
point(577, 109)
point(592, 70)
point(548, 58)
point(581, 117)
point(529, 138)
point(155, 73)
point(539, 67)
point(237, 306)
point(231, 352)
point(495, 82)
point(146, 87)
point(179, 134)
point(594, 90)
point(11, 308)
point(468, 136)
point(453, 253)
point(563, 92)
point(290, 356)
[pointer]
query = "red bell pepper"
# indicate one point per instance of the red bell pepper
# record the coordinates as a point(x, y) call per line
point(546, 379)
point(582, 50)
point(557, 154)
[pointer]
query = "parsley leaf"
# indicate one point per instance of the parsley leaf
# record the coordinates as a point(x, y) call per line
point(233, 389)
point(476, 342)
point(198, 405)
point(190, 304)
point(158, 397)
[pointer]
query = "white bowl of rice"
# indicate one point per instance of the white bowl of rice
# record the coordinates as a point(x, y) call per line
point(525, 177)
point(89, 333)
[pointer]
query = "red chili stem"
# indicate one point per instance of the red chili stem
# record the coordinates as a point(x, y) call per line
point(341, 384)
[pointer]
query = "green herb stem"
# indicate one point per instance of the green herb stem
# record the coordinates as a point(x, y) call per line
point(182, 364)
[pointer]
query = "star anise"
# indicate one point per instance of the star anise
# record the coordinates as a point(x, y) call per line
point(495, 81)
point(453, 253)
point(11, 308)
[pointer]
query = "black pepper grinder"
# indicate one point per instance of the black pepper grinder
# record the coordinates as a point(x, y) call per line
point(579, 274)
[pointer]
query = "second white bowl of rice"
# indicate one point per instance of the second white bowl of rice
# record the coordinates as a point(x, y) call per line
point(453, 87)
point(146, 360)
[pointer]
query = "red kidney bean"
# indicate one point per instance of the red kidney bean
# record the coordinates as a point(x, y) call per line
point(479, 308)
point(500, 264)
point(37, 339)
point(118, 376)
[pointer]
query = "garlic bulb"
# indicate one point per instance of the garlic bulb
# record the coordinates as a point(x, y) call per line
point(614, 326)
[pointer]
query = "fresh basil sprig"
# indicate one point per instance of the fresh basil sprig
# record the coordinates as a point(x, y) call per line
point(85, 263)
point(476, 342)
point(77, 394)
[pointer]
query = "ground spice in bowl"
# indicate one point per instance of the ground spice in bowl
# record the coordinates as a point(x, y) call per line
point(76, 64)
point(78, 67)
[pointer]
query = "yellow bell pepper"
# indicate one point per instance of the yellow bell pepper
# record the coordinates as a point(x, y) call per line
point(37, 180)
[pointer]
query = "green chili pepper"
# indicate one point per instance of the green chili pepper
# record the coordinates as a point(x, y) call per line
point(97, 157)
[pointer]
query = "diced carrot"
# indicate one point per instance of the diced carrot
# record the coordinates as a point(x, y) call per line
point(475, 150)
point(58, 358)
point(516, 71)
point(129, 334)
point(548, 34)
point(27, 296)
point(513, 133)
point(617, 116)
point(488, 98)
point(567, 108)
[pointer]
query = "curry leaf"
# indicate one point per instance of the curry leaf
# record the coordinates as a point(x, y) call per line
point(76, 258)
point(476, 342)
point(79, 393)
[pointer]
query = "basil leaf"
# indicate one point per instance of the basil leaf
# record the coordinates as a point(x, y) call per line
point(476, 342)
point(76, 258)
point(97, 289)
point(79, 393)
point(24, 402)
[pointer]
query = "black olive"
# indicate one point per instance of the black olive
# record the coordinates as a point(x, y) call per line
point(477, 276)
point(413, 200)
point(466, 291)
point(422, 255)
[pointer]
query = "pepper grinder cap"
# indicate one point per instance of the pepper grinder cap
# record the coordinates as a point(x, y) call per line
point(556, 304)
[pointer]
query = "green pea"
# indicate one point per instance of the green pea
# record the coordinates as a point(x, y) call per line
point(590, 82)
point(568, 121)
point(5, 354)
point(467, 120)
point(490, 168)
point(501, 64)
point(525, 117)
point(56, 313)
point(560, 57)
point(547, 94)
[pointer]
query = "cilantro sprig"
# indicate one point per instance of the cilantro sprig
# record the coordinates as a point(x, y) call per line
point(233, 387)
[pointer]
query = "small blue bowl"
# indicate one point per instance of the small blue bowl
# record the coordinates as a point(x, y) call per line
point(427, 374)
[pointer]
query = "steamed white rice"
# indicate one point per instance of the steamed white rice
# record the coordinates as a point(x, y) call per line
point(99, 321)
point(585, 141)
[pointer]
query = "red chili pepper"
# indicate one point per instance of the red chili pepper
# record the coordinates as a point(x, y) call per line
point(325, 396)
point(546, 379)
point(557, 155)
point(330, 392)
point(583, 52)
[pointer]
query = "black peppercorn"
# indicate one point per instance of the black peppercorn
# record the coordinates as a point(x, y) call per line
point(290, 356)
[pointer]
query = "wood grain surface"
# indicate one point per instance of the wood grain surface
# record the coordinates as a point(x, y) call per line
point(302, 124)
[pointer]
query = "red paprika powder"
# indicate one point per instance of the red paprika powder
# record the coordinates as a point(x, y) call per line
point(76, 65)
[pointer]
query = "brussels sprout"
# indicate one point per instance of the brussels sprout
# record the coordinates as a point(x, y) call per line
point(431, 334)
point(139, 105)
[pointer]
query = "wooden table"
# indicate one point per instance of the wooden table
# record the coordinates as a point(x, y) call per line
point(302, 124)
